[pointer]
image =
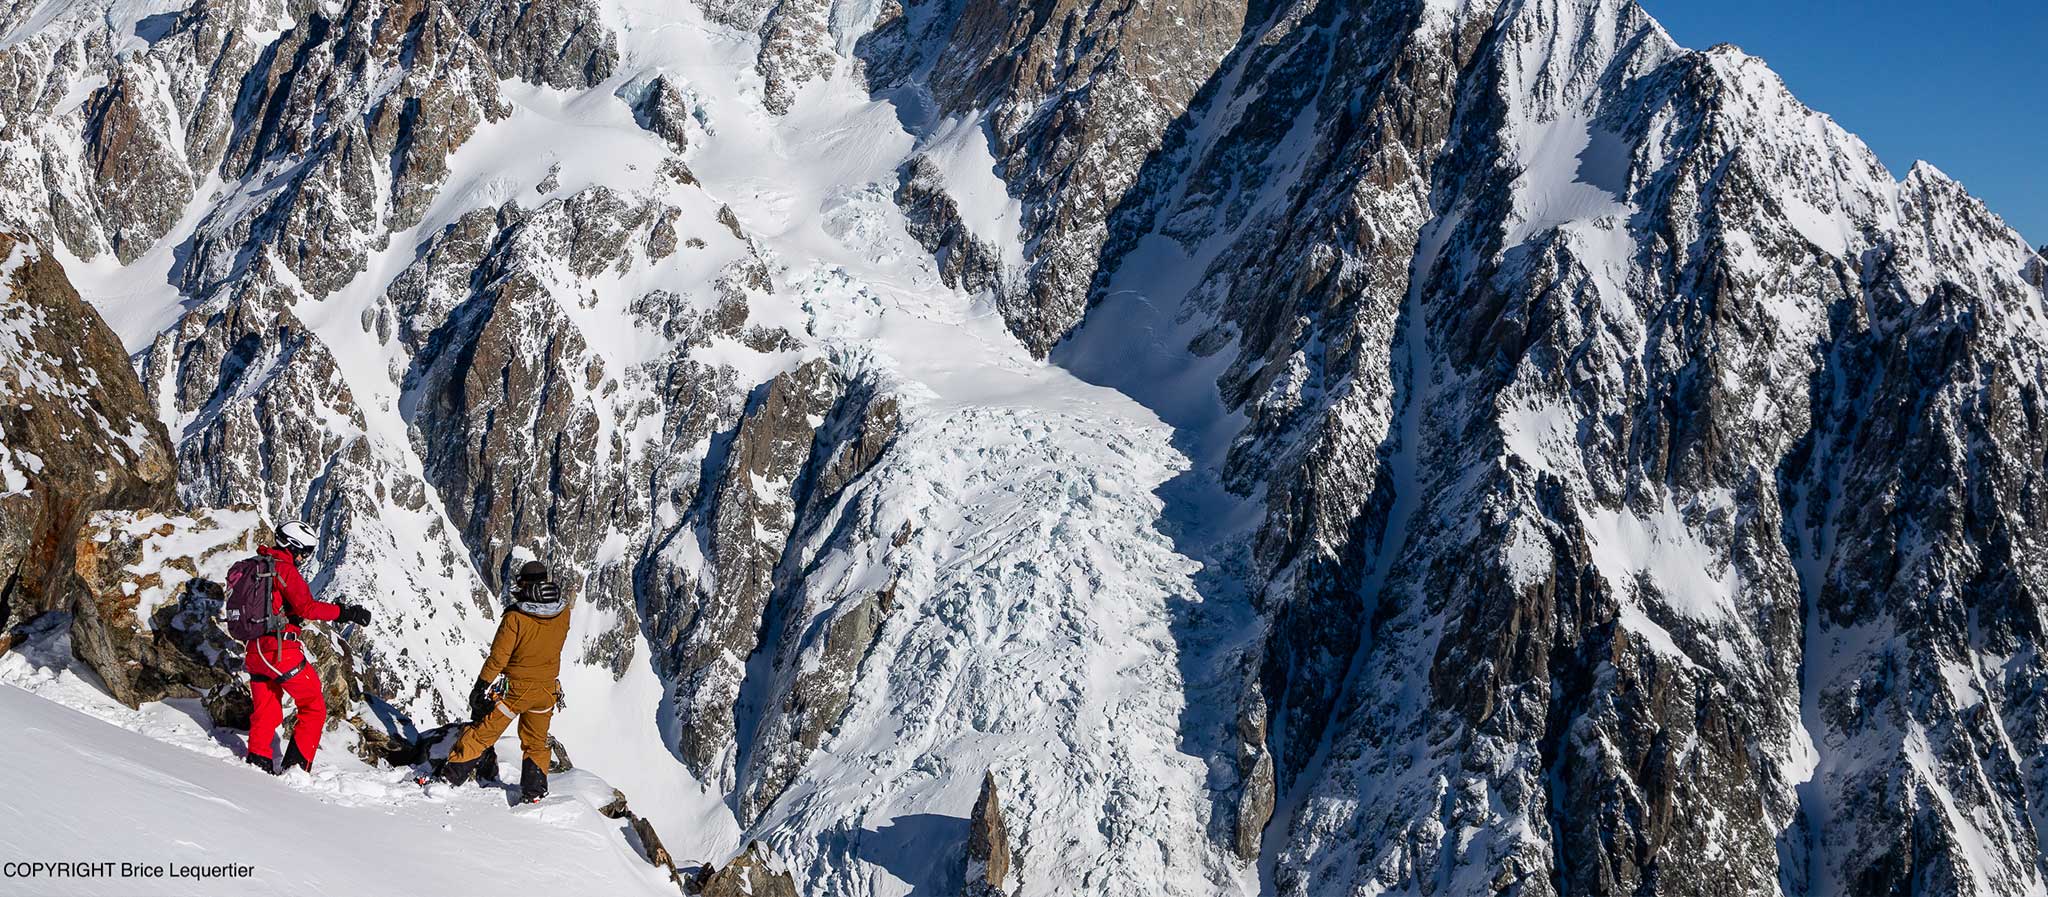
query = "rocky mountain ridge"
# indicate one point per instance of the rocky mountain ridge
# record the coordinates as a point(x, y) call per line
point(1473, 446)
point(76, 437)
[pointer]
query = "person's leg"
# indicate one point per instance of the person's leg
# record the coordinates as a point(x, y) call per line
point(462, 759)
point(487, 762)
point(487, 772)
point(533, 750)
point(533, 735)
point(266, 713)
point(312, 720)
point(479, 735)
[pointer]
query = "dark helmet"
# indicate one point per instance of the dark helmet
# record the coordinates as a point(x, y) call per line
point(533, 571)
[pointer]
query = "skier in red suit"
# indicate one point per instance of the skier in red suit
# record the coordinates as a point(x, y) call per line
point(277, 663)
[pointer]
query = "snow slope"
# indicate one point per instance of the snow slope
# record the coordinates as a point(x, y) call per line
point(90, 781)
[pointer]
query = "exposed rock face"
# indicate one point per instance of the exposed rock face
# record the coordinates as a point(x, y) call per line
point(504, 475)
point(268, 419)
point(1915, 531)
point(343, 166)
point(988, 844)
point(796, 46)
point(141, 199)
point(744, 15)
point(664, 110)
point(1317, 315)
point(650, 841)
point(562, 44)
point(76, 436)
point(966, 261)
point(751, 874)
point(779, 463)
point(154, 583)
point(1476, 404)
point(815, 667)
point(1404, 310)
point(124, 185)
point(1080, 95)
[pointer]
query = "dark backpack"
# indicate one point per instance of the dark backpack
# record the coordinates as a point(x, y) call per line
point(249, 610)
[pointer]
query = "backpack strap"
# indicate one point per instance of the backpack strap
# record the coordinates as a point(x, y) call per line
point(274, 627)
point(277, 620)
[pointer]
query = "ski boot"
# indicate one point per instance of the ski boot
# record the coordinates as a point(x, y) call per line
point(456, 773)
point(533, 782)
point(292, 757)
point(487, 769)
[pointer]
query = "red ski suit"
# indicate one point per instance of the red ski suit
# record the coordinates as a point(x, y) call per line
point(275, 656)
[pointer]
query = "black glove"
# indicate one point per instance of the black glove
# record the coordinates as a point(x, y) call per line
point(355, 613)
point(479, 700)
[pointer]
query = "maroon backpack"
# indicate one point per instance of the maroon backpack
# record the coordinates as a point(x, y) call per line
point(249, 610)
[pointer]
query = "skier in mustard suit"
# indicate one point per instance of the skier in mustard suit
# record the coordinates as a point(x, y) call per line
point(528, 653)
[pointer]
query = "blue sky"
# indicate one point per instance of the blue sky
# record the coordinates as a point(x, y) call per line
point(1963, 85)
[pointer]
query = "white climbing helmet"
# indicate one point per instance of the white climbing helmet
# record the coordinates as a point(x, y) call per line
point(297, 538)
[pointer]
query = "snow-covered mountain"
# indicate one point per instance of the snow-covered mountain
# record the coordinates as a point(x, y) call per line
point(1440, 446)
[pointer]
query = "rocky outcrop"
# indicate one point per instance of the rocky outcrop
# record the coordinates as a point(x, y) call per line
point(988, 844)
point(796, 47)
point(77, 436)
point(814, 666)
point(330, 168)
point(751, 874)
point(1078, 95)
point(649, 842)
point(743, 15)
point(966, 262)
point(154, 582)
point(502, 432)
point(779, 462)
point(140, 173)
point(662, 109)
point(523, 425)
point(564, 45)
point(115, 172)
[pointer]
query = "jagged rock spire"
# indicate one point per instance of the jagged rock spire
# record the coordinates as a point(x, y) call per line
point(988, 844)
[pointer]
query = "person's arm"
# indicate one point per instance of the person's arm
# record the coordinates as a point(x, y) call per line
point(501, 650)
point(299, 599)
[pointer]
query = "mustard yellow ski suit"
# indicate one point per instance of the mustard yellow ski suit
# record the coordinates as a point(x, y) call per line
point(528, 651)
